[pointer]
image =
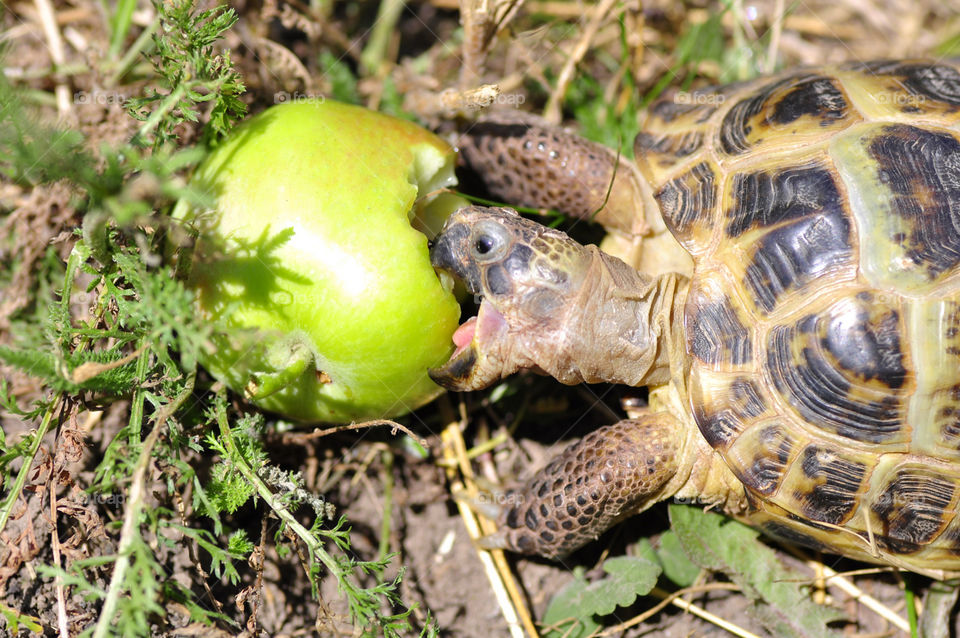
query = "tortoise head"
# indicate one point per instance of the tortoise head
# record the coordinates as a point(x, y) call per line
point(526, 277)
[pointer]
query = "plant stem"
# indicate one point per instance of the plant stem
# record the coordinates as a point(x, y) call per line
point(169, 103)
point(383, 30)
point(21, 73)
point(139, 46)
point(139, 396)
point(384, 547)
point(314, 547)
point(120, 25)
point(130, 531)
point(17, 488)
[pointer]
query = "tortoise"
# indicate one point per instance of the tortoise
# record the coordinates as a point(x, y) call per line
point(796, 314)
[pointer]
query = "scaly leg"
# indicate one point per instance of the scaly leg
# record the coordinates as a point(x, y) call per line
point(610, 474)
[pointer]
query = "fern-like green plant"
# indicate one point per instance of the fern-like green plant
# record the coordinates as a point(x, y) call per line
point(194, 73)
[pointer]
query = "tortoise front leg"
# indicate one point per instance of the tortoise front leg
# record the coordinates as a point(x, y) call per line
point(610, 474)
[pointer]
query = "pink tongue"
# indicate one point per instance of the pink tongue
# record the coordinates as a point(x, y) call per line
point(464, 334)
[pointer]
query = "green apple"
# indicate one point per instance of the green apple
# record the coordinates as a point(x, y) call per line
point(311, 260)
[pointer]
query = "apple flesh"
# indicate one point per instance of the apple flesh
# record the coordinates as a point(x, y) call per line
point(311, 260)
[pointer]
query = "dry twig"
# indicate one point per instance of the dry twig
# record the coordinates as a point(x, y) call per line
point(495, 564)
point(55, 44)
point(552, 111)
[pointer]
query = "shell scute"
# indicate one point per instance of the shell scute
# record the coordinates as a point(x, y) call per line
point(669, 149)
point(914, 508)
point(765, 453)
point(827, 483)
point(688, 203)
point(675, 109)
point(842, 370)
point(786, 113)
point(922, 171)
point(905, 90)
point(785, 228)
point(716, 329)
point(904, 187)
point(764, 198)
point(934, 338)
point(679, 127)
point(783, 263)
point(725, 405)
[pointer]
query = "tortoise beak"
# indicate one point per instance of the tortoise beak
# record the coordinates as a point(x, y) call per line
point(474, 364)
point(448, 254)
point(456, 373)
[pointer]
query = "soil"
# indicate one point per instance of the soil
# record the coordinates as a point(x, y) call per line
point(277, 46)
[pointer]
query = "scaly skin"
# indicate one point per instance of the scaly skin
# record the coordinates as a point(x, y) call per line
point(579, 315)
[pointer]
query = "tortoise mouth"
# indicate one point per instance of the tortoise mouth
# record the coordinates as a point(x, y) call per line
point(473, 340)
point(478, 340)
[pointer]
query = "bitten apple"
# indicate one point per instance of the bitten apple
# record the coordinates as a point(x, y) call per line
point(314, 257)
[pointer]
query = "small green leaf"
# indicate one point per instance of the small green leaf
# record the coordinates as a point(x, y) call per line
point(629, 577)
point(239, 545)
point(17, 621)
point(780, 602)
point(677, 566)
point(343, 83)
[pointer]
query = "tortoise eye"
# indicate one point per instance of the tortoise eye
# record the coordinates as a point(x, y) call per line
point(484, 245)
point(490, 241)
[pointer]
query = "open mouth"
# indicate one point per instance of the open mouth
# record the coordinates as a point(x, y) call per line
point(464, 335)
point(479, 339)
point(472, 340)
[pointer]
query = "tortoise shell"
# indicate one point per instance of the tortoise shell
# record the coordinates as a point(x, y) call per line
point(822, 209)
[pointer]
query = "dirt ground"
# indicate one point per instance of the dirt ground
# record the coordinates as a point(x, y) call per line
point(279, 48)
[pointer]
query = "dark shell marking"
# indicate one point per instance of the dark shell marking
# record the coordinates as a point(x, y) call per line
point(762, 199)
point(671, 108)
point(921, 169)
point(937, 82)
point(816, 97)
point(673, 146)
point(715, 334)
point(843, 371)
point(914, 508)
point(795, 255)
point(722, 416)
point(688, 203)
point(911, 88)
point(802, 230)
point(771, 454)
point(835, 485)
point(777, 109)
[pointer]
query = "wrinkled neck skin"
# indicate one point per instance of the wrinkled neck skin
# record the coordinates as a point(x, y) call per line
point(619, 327)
